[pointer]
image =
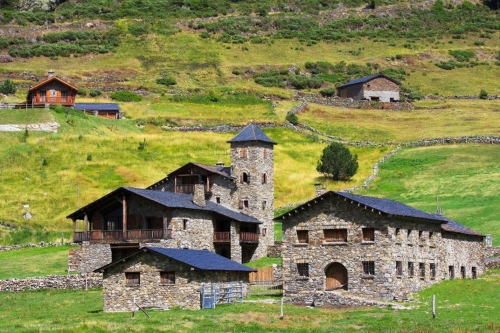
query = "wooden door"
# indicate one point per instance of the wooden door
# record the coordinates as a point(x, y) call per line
point(336, 276)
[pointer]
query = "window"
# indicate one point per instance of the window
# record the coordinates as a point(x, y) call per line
point(264, 204)
point(399, 268)
point(474, 272)
point(264, 231)
point(64, 96)
point(421, 269)
point(420, 233)
point(303, 236)
point(369, 267)
point(243, 152)
point(243, 204)
point(264, 178)
point(432, 268)
point(335, 235)
point(430, 234)
point(217, 200)
point(462, 271)
point(43, 96)
point(245, 178)
point(265, 153)
point(408, 233)
point(368, 234)
point(167, 277)
point(397, 232)
point(451, 272)
point(132, 278)
point(411, 269)
point(184, 224)
point(303, 269)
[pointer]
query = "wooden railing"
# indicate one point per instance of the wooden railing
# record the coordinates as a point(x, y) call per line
point(53, 99)
point(222, 237)
point(119, 235)
point(249, 237)
point(188, 188)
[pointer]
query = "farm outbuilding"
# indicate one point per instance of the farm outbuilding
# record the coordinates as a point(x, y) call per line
point(102, 110)
point(377, 88)
point(164, 278)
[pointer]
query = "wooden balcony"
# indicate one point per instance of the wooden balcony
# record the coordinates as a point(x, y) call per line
point(188, 188)
point(249, 237)
point(222, 237)
point(119, 235)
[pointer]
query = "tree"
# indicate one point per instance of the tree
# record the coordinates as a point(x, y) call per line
point(337, 162)
point(8, 87)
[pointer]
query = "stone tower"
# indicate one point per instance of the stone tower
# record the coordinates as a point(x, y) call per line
point(252, 163)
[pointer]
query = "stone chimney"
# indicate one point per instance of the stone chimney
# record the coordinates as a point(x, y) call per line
point(320, 189)
point(51, 73)
point(199, 195)
point(219, 164)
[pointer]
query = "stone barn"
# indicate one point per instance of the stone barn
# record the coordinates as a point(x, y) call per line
point(373, 247)
point(164, 278)
point(377, 88)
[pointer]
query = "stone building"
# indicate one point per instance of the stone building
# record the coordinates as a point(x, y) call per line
point(159, 277)
point(377, 88)
point(227, 210)
point(373, 247)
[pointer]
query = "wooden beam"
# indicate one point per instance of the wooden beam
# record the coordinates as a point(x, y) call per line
point(85, 223)
point(124, 216)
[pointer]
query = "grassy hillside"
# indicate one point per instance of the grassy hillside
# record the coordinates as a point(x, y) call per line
point(80, 311)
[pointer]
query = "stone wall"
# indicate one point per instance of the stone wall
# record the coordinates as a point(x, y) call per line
point(184, 293)
point(47, 127)
point(419, 243)
point(52, 282)
point(88, 257)
point(337, 298)
point(274, 251)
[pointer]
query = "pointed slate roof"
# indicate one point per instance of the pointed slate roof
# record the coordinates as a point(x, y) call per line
point(251, 133)
point(368, 78)
point(203, 260)
point(167, 199)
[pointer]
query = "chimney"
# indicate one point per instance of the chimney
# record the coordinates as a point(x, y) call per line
point(199, 195)
point(51, 73)
point(219, 164)
point(320, 189)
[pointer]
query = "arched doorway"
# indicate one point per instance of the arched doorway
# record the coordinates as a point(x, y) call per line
point(336, 276)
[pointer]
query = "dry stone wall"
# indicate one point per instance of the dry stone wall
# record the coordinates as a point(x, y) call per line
point(52, 282)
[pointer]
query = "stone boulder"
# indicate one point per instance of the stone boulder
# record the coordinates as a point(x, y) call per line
point(45, 5)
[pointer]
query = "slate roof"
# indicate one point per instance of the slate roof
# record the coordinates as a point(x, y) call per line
point(367, 79)
point(97, 106)
point(396, 208)
point(203, 260)
point(169, 199)
point(251, 133)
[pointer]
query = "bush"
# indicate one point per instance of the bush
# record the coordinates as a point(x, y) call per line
point(292, 118)
point(337, 162)
point(167, 81)
point(125, 96)
point(483, 94)
point(328, 92)
point(8, 87)
point(94, 93)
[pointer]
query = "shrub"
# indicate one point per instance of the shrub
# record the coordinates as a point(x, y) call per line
point(167, 81)
point(125, 96)
point(462, 55)
point(483, 94)
point(337, 162)
point(94, 93)
point(8, 87)
point(292, 118)
point(328, 92)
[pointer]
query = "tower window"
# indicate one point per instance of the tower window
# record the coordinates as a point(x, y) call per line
point(245, 178)
point(243, 204)
point(184, 224)
point(264, 178)
point(217, 199)
point(264, 204)
point(243, 153)
point(265, 153)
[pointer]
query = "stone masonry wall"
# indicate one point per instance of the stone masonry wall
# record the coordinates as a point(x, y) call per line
point(52, 282)
point(396, 240)
point(184, 293)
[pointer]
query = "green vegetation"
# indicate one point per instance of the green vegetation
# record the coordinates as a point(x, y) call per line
point(337, 162)
point(25, 116)
point(125, 96)
point(8, 87)
point(264, 262)
point(30, 262)
point(457, 311)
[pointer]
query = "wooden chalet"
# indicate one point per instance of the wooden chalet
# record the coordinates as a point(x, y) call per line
point(52, 91)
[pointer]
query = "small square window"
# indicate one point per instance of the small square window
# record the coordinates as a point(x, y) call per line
point(243, 152)
point(132, 278)
point(431, 234)
point(408, 233)
point(184, 224)
point(420, 233)
point(368, 234)
point(421, 269)
point(369, 267)
point(432, 268)
point(399, 268)
point(303, 236)
point(303, 269)
point(411, 269)
point(451, 272)
point(474, 272)
point(335, 235)
point(167, 277)
point(396, 232)
point(462, 271)
point(217, 199)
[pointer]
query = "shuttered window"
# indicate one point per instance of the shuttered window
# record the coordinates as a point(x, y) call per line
point(368, 234)
point(132, 278)
point(369, 267)
point(335, 235)
point(303, 269)
point(167, 277)
point(303, 236)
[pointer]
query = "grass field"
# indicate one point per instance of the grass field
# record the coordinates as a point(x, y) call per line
point(78, 311)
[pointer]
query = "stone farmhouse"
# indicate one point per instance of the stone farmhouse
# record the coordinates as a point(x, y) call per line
point(373, 247)
point(226, 210)
point(161, 277)
point(101, 110)
point(377, 88)
point(52, 91)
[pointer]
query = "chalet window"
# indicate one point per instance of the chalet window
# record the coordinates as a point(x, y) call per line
point(111, 225)
point(303, 236)
point(451, 272)
point(264, 204)
point(64, 96)
point(245, 178)
point(399, 268)
point(43, 96)
point(264, 178)
point(243, 153)
point(184, 224)
point(462, 271)
point(474, 272)
point(369, 267)
point(421, 270)
point(303, 269)
point(411, 269)
point(335, 235)
point(432, 269)
point(132, 278)
point(167, 277)
point(368, 234)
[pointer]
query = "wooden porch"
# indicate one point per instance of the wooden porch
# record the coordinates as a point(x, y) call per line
point(245, 237)
point(120, 235)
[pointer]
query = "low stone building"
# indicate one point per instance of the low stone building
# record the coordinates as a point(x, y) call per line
point(158, 277)
point(101, 110)
point(377, 88)
point(373, 247)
